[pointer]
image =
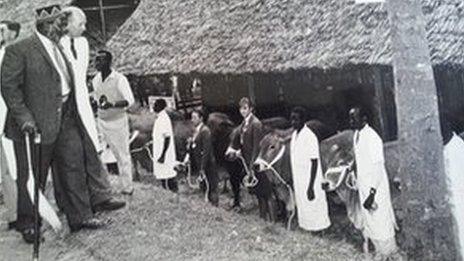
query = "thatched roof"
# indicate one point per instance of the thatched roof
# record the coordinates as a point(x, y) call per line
point(23, 12)
point(237, 36)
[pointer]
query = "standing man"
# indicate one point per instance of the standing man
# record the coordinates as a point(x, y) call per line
point(114, 94)
point(250, 131)
point(373, 185)
point(76, 49)
point(202, 158)
point(37, 85)
point(164, 150)
point(250, 136)
point(454, 168)
point(9, 31)
point(310, 198)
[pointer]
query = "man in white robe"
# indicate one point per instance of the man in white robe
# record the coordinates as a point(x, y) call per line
point(76, 49)
point(372, 181)
point(164, 150)
point(454, 168)
point(9, 31)
point(311, 200)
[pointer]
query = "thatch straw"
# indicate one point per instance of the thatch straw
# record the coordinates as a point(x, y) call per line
point(239, 36)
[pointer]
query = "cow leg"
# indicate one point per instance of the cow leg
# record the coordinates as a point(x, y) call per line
point(366, 245)
point(225, 189)
point(262, 207)
point(272, 209)
point(235, 181)
point(291, 214)
point(136, 172)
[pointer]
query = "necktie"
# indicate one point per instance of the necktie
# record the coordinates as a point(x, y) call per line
point(244, 129)
point(62, 66)
point(73, 49)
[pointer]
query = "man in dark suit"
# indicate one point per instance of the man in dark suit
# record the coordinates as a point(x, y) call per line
point(250, 131)
point(202, 158)
point(37, 85)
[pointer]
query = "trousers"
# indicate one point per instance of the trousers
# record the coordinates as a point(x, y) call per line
point(66, 158)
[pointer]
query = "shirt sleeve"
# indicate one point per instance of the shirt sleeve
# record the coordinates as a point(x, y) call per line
point(375, 152)
point(125, 90)
point(86, 50)
point(93, 93)
point(376, 149)
point(164, 127)
point(313, 146)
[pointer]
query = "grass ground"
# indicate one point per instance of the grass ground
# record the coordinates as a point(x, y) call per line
point(160, 225)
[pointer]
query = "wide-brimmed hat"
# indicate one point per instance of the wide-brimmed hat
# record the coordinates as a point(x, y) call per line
point(47, 13)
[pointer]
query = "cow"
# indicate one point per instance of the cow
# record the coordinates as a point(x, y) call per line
point(273, 162)
point(340, 177)
point(257, 183)
point(142, 124)
point(221, 128)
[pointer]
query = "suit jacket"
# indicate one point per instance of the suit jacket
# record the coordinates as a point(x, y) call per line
point(31, 87)
point(250, 138)
point(202, 153)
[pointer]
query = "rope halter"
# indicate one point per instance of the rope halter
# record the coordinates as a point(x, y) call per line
point(270, 166)
point(267, 165)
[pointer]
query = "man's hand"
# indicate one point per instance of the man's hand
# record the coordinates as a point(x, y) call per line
point(106, 105)
point(161, 159)
point(310, 194)
point(94, 104)
point(369, 202)
point(29, 127)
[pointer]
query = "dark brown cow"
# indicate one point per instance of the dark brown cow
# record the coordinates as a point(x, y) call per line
point(222, 134)
point(274, 163)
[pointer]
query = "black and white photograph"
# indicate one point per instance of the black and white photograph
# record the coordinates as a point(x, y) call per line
point(231, 130)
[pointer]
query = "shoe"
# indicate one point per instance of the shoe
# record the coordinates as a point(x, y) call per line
point(29, 235)
point(236, 207)
point(128, 192)
point(109, 205)
point(92, 223)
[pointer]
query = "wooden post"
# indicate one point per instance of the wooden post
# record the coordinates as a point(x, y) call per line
point(251, 88)
point(379, 101)
point(427, 223)
point(102, 19)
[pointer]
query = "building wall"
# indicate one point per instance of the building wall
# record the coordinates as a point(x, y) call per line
point(328, 94)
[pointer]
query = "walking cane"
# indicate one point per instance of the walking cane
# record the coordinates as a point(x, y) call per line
point(37, 160)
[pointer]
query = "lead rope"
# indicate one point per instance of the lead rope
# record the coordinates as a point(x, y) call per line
point(144, 147)
point(202, 178)
point(250, 179)
point(269, 166)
